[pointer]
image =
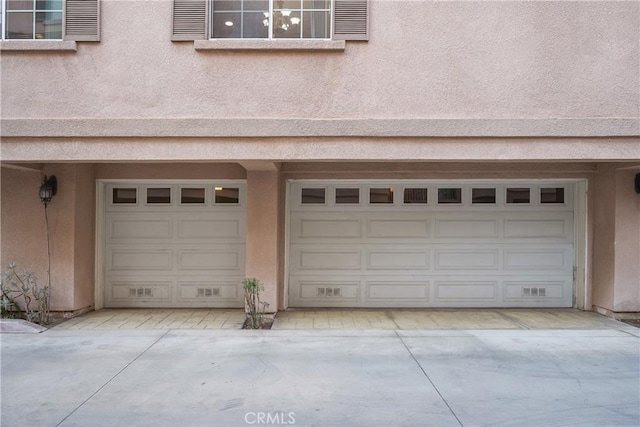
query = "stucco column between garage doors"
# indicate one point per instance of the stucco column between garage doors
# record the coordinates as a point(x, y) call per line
point(262, 256)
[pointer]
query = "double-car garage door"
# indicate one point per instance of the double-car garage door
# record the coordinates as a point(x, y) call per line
point(351, 243)
point(431, 244)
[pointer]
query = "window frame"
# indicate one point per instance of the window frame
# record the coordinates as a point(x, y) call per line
point(270, 35)
point(80, 23)
point(34, 11)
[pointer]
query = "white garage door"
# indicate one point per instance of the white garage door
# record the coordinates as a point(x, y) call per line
point(431, 244)
point(174, 244)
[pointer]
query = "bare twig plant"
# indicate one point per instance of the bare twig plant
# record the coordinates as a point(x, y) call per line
point(254, 307)
point(22, 294)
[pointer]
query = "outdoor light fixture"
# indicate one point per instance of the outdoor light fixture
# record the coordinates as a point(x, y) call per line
point(48, 189)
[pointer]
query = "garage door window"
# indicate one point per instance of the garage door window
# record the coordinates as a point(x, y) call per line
point(313, 196)
point(193, 196)
point(552, 195)
point(347, 195)
point(158, 196)
point(483, 196)
point(124, 195)
point(518, 195)
point(416, 195)
point(224, 195)
point(380, 195)
point(449, 195)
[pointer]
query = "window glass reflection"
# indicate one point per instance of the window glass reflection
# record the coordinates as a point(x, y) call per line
point(518, 195)
point(192, 196)
point(449, 195)
point(124, 195)
point(347, 195)
point(552, 195)
point(312, 196)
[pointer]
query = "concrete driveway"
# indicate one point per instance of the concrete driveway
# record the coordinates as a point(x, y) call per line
point(156, 378)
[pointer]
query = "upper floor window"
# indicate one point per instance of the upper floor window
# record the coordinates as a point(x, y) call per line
point(271, 19)
point(32, 19)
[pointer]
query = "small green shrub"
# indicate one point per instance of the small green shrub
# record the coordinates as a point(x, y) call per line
point(253, 306)
point(21, 294)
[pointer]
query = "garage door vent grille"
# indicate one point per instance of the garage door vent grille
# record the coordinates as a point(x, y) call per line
point(140, 292)
point(207, 292)
point(534, 292)
point(328, 292)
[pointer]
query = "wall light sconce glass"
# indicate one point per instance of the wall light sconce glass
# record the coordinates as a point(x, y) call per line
point(48, 189)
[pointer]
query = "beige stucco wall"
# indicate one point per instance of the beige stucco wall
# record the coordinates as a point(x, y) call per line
point(23, 224)
point(616, 239)
point(603, 254)
point(263, 254)
point(84, 236)
point(425, 59)
point(627, 243)
point(71, 227)
point(171, 170)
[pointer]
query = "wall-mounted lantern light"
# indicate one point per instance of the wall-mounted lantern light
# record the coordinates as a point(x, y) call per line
point(48, 189)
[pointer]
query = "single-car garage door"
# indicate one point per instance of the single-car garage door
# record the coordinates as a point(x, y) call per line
point(431, 244)
point(174, 244)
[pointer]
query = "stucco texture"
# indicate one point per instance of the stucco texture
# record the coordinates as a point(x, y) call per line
point(71, 227)
point(627, 261)
point(23, 223)
point(616, 239)
point(425, 59)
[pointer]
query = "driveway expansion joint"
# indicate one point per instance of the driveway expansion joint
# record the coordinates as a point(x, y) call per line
point(113, 378)
point(429, 379)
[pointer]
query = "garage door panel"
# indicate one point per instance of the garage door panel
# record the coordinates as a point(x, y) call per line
point(397, 292)
point(466, 259)
point(557, 259)
point(466, 228)
point(557, 226)
point(532, 292)
point(328, 228)
point(394, 229)
point(398, 259)
point(198, 229)
point(208, 291)
point(139, 259)
point(142, 227)
point(320, 292)
point(229, 258)
point(465, 289)
point(125, 290)
point(311, 259)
